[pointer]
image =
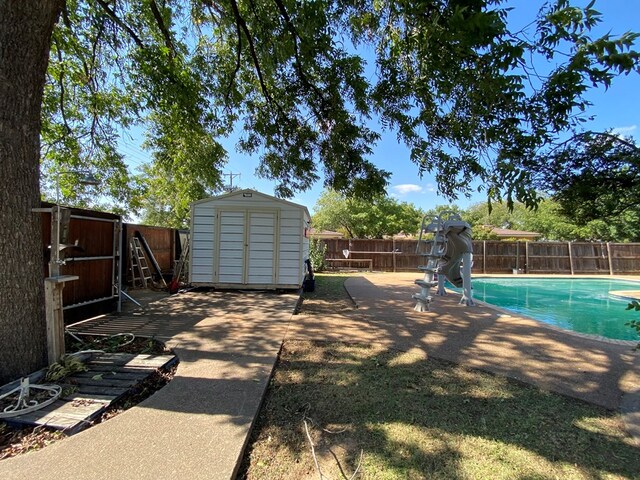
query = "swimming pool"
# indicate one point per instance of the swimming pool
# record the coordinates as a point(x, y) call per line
point(579, 304)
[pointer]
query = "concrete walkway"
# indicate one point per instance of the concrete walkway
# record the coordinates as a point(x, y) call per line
point(198, 425)
point(598, 371)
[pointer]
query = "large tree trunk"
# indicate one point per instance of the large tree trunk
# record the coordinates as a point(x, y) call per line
point(25, 35)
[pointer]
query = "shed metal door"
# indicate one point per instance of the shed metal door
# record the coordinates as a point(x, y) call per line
point(246, 247)
point(261, 248)
point(231, 250)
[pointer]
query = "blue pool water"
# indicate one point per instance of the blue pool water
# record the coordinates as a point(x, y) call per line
point(581, 305)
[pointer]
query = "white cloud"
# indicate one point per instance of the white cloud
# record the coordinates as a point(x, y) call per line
point(430, 188)
point(406, 188)
point(624, 131)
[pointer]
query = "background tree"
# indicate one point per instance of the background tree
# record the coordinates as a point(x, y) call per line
point(440, 209)
point(595, 178)
point(356, 218)
point(483, 232)
point(498, 215)
point(331, 212)
point(547, 219)
point(450, 79)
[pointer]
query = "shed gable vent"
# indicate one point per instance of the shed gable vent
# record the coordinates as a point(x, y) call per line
point(247, 194)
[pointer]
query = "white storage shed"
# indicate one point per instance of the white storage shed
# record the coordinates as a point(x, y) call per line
point(246, 239)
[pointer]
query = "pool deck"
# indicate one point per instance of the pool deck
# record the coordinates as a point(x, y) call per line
point(627, 294)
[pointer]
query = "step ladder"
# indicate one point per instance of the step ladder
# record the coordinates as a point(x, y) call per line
point(146, 249)
point(180, 268)
point(140, 271)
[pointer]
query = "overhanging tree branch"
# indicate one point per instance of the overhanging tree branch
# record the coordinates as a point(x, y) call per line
point(238, 59)
point(627, 143)
point(591, 133)
point(252, 48)
point(136, 39)
point(296, 52)
point(162, 27)
point(62, 91)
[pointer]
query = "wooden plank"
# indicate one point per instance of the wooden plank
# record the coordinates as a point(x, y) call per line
point(79, 410)
point(128, 360)
point(91, 396)
point(54, 319)
point(101, 380)
point(91, 390)
point(141, 366)
point(120, 368)
point(80, 397)
point(69, 414)
point(570, 258)
point(484, 256)
point(367, 261)
point(114, 375)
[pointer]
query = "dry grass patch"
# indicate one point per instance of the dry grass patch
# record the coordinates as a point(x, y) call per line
point(399, 415)
point(329, 297)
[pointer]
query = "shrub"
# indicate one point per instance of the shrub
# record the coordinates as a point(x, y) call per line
point(634, 324)
point(317, 254)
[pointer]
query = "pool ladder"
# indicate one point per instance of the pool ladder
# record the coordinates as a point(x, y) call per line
point(437, 251)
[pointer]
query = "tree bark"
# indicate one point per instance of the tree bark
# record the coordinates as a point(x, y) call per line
point(25, 36)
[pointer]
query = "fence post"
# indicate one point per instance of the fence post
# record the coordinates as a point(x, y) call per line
point(609, 257)
point(393, 248)
point(526, 256)
point(570, 257)
point(484, 256)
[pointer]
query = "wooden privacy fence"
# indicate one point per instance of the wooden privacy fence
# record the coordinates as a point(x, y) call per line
point(98, 253)
point(162, 242)
point(389, 255)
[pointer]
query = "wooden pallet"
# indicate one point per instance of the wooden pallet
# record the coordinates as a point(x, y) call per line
point(109, 377)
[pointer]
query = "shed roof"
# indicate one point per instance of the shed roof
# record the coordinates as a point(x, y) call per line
point(253, 192)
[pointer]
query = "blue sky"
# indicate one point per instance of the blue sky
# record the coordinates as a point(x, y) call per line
point(617, 108)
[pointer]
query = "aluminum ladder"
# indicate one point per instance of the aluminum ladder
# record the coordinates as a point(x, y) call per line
point(139, 264)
